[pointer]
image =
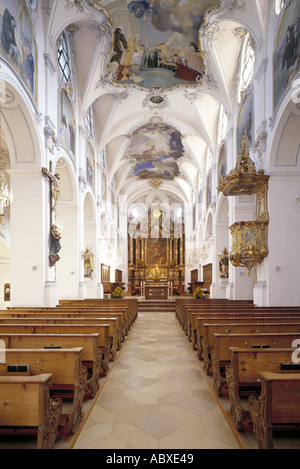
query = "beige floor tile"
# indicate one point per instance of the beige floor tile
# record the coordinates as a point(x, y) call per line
point(93, 433)
point(197, 405)
point(135, 437)
point(141, 397)
point(221, 433)
point(159, 425)
point(109, 442)
point(175, 397)
point(156, 396)
point(206, 442)
point(119, 405)
point(182, 415)
point(182, 438)
point(135, 415)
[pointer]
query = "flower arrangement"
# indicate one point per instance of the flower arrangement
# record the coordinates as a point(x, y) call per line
point(117, 293)
point(141, 264)
point(198, 293)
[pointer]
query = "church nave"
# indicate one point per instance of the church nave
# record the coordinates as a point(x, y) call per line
point(156, 396)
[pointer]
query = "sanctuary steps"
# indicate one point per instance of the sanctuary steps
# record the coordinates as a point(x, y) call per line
point(159, 306)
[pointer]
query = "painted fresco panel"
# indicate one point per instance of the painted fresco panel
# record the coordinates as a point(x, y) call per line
point(155, 150)
point(159, 44)
point(245, 123)
point(90, 166)
point(222, 163)
point(67, 124)
point(17, 43)
point(209, 190)
point(287, 51)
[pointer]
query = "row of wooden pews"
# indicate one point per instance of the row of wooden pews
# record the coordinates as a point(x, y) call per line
point(248, 351)
point(52, 359)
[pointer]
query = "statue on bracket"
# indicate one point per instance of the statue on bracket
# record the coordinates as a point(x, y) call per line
point(55, 231)
point(88, 262)
point(223, 264)
point(55, 246)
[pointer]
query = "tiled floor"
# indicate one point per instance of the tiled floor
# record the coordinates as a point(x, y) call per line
point(156, 396)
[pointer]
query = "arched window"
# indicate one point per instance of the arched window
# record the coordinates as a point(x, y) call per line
point(33, 4)
point(247, 64)
point(279, 4)
point(63, 59)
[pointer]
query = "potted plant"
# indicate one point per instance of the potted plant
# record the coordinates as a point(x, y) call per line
point(198, 293)
point(117, 293)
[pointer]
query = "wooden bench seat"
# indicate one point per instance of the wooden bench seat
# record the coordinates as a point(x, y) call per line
point(91, 354)
point(221, 350)
point(101, 330)
point(239, 313)
point(25, 403)
point(278, 406)
point(182, 305)
point(243, 374)
point(120, 316)
point(68, 374)
point(41, 319)
point(209, 327)
point(129, 304)
point(190, 319)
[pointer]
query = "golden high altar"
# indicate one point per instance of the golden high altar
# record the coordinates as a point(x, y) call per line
point(156, 260)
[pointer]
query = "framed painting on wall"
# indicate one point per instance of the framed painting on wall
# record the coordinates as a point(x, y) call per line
point(287, 51)
point(17, 44)
point(67, 124)
point(245, 123)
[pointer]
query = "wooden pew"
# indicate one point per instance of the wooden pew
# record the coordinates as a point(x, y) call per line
point(208, 327)
point(119, 315)
point(221, 350)
point(101, 330)
point(56, 319)
point(131, 305)
point(192, 317)
point(68, 374)
point(182, 305)
point(25, 402)
point(243, 375)
point(277, 406)
point(91, 354)
point(233, 316)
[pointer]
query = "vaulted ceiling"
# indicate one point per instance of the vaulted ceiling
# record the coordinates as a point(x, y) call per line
point(157, 108)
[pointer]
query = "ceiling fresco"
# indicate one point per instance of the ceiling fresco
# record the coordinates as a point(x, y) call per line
point(155, 150)
point(156, 42)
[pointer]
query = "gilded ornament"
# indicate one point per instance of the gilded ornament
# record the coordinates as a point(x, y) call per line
point(243, 179)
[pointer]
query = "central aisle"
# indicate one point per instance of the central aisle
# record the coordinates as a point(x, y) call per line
point(155, 396)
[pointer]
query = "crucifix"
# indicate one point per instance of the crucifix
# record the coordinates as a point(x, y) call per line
point(55, 235)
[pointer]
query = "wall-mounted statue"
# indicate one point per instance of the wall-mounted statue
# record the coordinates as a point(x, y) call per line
point(88, 256)
point(55, 246)
point(224, 264)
